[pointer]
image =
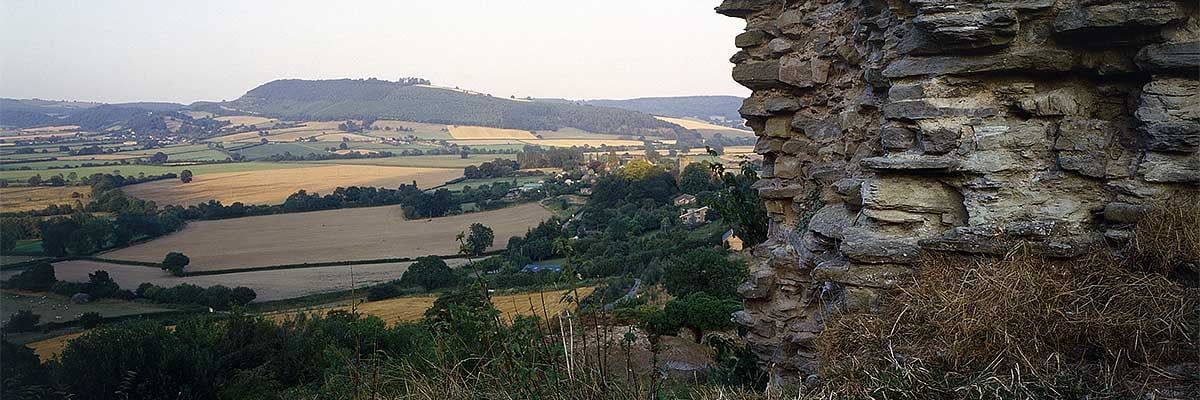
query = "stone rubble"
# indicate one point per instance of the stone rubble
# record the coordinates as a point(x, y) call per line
point(889, 127)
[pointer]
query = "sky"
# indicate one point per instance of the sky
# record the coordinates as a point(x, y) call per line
point(184, 51)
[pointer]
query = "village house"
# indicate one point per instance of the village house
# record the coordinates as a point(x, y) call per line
point(732, 241)
point(684, 199)
point(694, 216)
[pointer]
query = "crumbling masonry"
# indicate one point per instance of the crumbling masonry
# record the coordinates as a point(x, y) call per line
point(889, 127)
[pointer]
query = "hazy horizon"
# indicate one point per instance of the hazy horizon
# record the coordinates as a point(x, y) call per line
point(127, 51)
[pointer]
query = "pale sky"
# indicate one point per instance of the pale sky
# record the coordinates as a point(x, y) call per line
point(183, 51)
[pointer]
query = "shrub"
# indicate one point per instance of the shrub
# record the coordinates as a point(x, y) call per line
point(90, 320)
point(22, 321)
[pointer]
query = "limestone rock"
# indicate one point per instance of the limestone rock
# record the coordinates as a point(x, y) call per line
point(1180, 56)
point(866, 246)
point(1117, 15)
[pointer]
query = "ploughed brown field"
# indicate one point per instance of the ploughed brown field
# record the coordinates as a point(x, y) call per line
point(269, 285)
point(324, 236)
point(273, 186)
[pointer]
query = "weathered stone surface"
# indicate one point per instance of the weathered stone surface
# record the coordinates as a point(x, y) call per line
point(891, 128)
point(912, 163)
point(1117, 15)
point(752, 38)
point(1182, 57)
point(1034, 60)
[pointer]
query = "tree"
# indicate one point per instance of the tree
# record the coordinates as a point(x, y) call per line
point(243, 295)
point(57, 180)
point(158, 158)
point(35, 180)
point(175, 262)
point(38, 278)
point(185, 176)
point(739, 204)
point(55, 234)
point(705, 270)
point(22, 321)
point(700, 312)
point(430, 273)
point(101, 286)
point(696, 178)
point(478, 241)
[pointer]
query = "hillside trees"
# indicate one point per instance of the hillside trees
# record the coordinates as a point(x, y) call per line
point(705, 270)
point(38, 278)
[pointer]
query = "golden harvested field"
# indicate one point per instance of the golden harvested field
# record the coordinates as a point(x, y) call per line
point(480, 132)
point(321, 236)
point(408, 309)
point(701, 125)
point(14, 199)
point(273, 186)
point(50, 349)
point(269, 285)
point(247, 120)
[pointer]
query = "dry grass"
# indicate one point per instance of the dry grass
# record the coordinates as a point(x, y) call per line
point(15, 199)
point(481, 132)
point(275, 185)
point(334, 235)
point(1016, 327)
point(1167, 239)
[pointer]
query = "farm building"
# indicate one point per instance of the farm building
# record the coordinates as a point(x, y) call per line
point(684, 199)
point(732, 241)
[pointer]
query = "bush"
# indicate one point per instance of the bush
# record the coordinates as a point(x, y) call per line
point(383, 292)
point(90, 320)
point(22, 321)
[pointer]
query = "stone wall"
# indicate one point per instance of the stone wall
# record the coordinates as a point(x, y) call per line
point(889, 127)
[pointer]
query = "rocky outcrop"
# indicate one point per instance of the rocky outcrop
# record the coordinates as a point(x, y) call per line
point(893, 127)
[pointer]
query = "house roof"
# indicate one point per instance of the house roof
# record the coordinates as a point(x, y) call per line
point(685, 196)
point(728, 234)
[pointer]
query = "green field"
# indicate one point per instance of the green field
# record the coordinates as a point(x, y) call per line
point(575, 133)
point(439, 161)
point(520, 180)
point(57, 308)
point(297, 149)
point(128, 170)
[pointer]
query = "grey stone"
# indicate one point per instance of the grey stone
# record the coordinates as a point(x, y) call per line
point(751, 38)
point(742, 8)
point(1053, 103)
point(796, 71)
point(895, 137)
point(932, 108)
point(960, 30)
point(1181, 56)
point(778, 46)
point(883, 276)
point(1124, 212)
point(905, 92)
point(1039, 59)
point(776, 105)
point(1117, 15)
point(939, 137)
point(866, 246)
point(1081, 145)
point(912, 163)
point(911, 194)
point(759, 286)
point(850, 190)
point(830, 221)
point(1173, 136)
point(757, 75)
point(1170, 168)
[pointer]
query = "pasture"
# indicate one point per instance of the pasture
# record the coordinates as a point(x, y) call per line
point(305, 130)
point(269, 285)
point(56, 308)
point(22, 175)
point(325, 236)
point(14, 199)
point(419, 129)
point(274, 186)
point(247, 120)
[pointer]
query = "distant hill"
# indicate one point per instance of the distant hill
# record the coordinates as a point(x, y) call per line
point(723, 108)
point(143, 118)
point(405, 100)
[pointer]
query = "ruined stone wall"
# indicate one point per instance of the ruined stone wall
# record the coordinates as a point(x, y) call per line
point(893, 126)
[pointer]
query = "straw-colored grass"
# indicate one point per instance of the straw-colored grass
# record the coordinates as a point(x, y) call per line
point(1167, 239)
point(1017, 327)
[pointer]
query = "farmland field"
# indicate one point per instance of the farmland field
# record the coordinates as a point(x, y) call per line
point(584, 142)
point(247, 120)
point(480, 132)
point(51, 348)
point(57, 308)
point(439, 161)
point(320, 236)
point(14, 199)
point(22, 175)
point(269, 285)
point(307, 129)
point(421, 130)
point(703, 126)
point(274, 186)
point(408, 309)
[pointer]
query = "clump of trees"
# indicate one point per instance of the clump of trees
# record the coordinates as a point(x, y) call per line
point(430, 273)
point(217, 297)
point(175, 262)
point(497, 168)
